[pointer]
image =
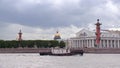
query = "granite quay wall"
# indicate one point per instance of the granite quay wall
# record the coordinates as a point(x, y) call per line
point(48, 50)
point(103, 50)
point(24, 50)
point(98, 50)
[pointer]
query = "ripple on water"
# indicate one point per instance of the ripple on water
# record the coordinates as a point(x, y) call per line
point(34, 60)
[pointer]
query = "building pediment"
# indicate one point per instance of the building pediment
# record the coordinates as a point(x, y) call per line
point(85, 32)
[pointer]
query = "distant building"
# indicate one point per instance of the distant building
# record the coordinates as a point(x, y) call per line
point(91, 39)
point(57, 36)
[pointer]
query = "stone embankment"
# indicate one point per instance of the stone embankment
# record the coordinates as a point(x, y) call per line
point(24, 50)
point(48, 50)
point(103, 50)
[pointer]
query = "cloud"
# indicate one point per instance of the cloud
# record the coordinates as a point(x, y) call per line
point(35, 33)
point(46, 14)
point(40, 18)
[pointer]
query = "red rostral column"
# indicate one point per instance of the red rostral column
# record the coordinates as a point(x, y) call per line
point(20, 36)
point(98, 33)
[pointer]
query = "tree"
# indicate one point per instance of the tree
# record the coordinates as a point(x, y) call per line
point(31, 43)
point(62, 44)
point(54, 43)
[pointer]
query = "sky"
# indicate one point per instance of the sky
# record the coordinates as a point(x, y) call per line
point(40, 19)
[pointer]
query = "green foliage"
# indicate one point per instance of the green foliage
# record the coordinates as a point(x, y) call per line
point(62, 44)
point(31, 44)
point(54, 43)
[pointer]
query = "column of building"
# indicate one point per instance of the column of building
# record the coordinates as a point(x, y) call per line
point(80, 44)
point(92, 42)
point(87, 43)
point(111, 43)
point(76, 43)
point(114, 43)
point(107, 43)
point(118, 44)
point(103, 43)
point(99, 44)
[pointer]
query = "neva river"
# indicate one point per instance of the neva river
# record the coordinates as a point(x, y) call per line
point(29, 60)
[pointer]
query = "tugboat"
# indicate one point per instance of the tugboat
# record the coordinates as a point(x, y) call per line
point(64, 52)
point(61, 52)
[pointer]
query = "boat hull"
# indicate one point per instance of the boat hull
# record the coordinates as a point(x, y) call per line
point(68, 54)
point(62, 52)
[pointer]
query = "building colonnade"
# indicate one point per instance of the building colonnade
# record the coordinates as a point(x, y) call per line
point(90, 43)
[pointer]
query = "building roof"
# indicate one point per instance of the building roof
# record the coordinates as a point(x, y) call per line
point(85, 32)
point(104, 33)
point(57, 36)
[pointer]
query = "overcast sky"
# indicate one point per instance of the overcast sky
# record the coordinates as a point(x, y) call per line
point(40, 19)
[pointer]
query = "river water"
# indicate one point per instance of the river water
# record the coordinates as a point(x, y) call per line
point(34, 60)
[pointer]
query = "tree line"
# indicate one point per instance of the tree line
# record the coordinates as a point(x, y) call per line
point(31, 44)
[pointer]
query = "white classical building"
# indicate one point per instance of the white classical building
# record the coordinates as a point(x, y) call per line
point(86, 39)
